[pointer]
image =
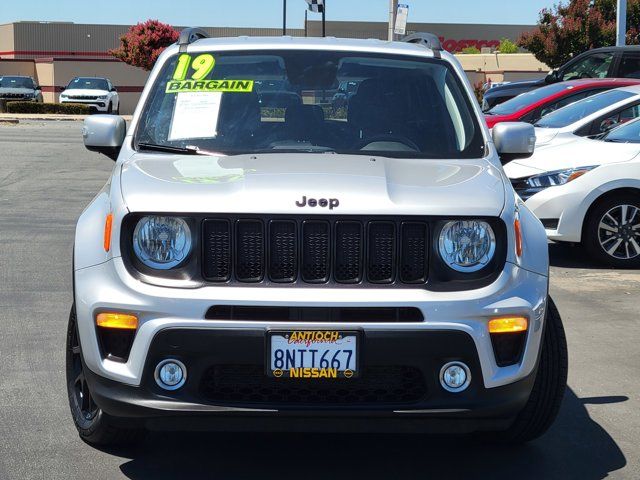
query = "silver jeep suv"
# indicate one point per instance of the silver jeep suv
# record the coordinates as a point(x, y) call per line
point(263, 259)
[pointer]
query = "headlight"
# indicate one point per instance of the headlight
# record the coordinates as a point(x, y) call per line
point(63, 95)
point(162, 242)
point(467, 245)
point(559, 177)
point(102, 97)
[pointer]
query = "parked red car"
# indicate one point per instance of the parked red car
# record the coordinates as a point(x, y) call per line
point(532, 106)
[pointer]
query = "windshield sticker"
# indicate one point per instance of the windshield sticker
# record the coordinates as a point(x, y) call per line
point(202, 64)
point(235, 86)
point(195, 115)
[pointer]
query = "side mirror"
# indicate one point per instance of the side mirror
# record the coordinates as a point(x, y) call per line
point(104, 134)
point(514, 140)
point(36, 87)
point(113, 89)
point(552, 77)
point(62, 89)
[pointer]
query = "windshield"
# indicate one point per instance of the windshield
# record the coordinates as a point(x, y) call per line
point(16, 82)
point(529, 98)
point(88, 84)
point(583, 108)
point(627, 133)
point(280, 101)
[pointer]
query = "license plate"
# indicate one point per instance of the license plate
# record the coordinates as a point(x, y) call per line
point(313, 354)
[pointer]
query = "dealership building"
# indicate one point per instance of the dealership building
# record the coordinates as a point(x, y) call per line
point(55, 52)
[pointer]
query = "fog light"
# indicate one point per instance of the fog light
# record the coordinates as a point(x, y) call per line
point(455, 377)
point(170, 374)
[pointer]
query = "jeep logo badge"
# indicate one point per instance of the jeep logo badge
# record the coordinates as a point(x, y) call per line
point(318, 202)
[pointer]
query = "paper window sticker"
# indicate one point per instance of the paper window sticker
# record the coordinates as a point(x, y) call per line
point(195, 115)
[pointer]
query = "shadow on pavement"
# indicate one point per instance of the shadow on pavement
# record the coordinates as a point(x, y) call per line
point(567, 255)
point(575, 447)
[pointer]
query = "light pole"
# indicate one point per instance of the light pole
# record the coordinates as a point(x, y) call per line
point(393, 9)
point(284, 17)
point(621, 14)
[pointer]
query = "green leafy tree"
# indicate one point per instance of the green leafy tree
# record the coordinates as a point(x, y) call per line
point(507, 46)
point(144, 42)
point(571, 28)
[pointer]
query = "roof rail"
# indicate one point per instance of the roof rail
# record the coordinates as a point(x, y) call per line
point(190, 35)
point(429, 40)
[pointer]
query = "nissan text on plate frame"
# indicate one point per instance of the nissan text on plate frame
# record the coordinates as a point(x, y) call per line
point(262, 257)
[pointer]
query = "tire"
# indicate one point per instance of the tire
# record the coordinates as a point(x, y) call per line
point(94, 426)
point(597, 240)
point(548, 390)
point(110, 108)
point(117, 111)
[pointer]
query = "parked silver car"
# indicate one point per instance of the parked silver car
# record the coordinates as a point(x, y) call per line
point(19, 88)
point(300, 267)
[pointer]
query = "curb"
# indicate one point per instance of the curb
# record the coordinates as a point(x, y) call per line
point(10, 121)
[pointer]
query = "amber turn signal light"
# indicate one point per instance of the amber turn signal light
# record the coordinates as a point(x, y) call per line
point(508, 325)
point(107, 232)
point(518, 231)
point(121, 321)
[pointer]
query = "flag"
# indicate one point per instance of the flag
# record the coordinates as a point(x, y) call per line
point(316, 5)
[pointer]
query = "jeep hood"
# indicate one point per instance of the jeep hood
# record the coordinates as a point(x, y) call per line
point(273, 183)
point(84, 91)
point(20, 91)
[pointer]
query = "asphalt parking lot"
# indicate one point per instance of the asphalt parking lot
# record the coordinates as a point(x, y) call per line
point(46, 179)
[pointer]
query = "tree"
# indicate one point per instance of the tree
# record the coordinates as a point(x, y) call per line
point(144, 42)
point(507, 46)
point(569, 29)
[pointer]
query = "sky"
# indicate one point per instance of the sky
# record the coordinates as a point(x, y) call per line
point(266, 13)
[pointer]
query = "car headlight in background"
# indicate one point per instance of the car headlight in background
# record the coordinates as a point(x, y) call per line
point(467, 245)
point(102, 97)
point(559, 177)
point(162, 242)
point(63, 95)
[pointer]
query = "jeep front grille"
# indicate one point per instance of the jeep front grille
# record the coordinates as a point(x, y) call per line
point(315, 250)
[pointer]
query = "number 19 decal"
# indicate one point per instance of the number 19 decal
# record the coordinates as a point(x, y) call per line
point(202, 64)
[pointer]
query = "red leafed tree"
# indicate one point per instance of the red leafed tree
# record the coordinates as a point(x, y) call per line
point(571, 28)
point(144, 42)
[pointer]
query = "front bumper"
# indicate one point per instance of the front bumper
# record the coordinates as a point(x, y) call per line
point(562, 209)
point(221, 400)
point(97, 105)
point(109, 286)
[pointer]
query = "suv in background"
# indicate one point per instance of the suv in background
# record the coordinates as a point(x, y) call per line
point(607, 62)
point(298, 267)
point(98, 93)
point(19, 88)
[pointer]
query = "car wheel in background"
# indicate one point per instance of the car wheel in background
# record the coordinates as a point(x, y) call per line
point(612, 231)
point(93, 425)
point(549, 387)
point(110, 108)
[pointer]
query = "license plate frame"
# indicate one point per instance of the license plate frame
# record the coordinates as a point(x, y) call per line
point(340, 374)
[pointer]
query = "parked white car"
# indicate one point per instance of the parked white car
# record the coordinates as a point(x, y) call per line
point(98, 93)
point(588, 191)
point(588, 117)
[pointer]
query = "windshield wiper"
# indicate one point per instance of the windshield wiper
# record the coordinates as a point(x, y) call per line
point(188, 150)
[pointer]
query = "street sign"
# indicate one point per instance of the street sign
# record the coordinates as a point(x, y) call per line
point(401, 19)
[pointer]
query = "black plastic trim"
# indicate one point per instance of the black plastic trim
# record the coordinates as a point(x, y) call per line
point(440, 277)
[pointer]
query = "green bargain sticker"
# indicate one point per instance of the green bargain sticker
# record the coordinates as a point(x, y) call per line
point(238, 86)
point(202, 66)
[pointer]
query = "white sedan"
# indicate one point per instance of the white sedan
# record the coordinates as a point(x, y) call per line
point(590, 116)
point(588, 191)
point(98, 93)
